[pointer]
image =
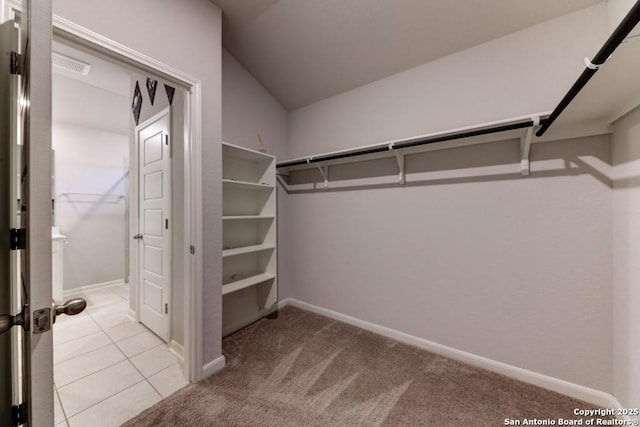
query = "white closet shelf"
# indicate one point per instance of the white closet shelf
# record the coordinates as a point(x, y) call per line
point(247, 282)
point(246, 250)
point(245, 217)
point(245, 185)
point(237, 152)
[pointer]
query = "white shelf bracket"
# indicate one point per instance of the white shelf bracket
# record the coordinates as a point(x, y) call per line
point(525, 147)
point(324, 171)
point(400, 160)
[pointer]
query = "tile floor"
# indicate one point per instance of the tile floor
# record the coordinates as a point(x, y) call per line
point(107, 368)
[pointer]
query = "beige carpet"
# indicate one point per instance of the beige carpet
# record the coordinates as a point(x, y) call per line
point(303, 369)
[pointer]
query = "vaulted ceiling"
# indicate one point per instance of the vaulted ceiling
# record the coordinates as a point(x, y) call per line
point(303, 51)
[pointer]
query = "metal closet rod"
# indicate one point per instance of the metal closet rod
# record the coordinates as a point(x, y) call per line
point(409, 144)
point(615, 39)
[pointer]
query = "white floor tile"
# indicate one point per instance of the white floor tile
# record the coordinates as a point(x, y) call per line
point(119, 305)
point(125, 330)
point(95, 388)
point(86, 364)
point(62, 352)
point(58, 414)
point(139, 343)
point(61, 424)
point(119, 408)
point(81, 328)
point(154, 360)
point(108, 317)
point(122, 290)
point(169, 380)
point(64, 321)
point(100, 298)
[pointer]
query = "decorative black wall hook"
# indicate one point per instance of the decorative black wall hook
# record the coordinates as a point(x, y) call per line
point(170, 92)
point(152, 85)
point(136, 105)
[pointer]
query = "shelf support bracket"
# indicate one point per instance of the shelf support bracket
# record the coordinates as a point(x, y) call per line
point(324, 171)
point(525, 147)
point(400, 160)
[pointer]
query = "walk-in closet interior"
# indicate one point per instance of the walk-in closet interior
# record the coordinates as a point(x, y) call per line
point(481, 205)
point(322, 212)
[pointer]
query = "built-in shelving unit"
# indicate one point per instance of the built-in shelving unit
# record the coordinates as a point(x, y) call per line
point(249, 257)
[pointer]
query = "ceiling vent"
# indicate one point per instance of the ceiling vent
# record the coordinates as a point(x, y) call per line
point(70, 64)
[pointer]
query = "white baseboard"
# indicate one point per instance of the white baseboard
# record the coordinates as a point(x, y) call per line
point(93, 287)
point(285, 302)
point(131, 314)
point(212, 367)
point(629, 419)
point(177, 349)
point(567, 388)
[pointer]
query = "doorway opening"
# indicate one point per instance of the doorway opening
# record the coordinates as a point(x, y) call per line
point(116, 231)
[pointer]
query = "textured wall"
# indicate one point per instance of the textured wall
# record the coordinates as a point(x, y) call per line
point(470, 254)
point(248, 109)
point(90, 161)
point(626, 250)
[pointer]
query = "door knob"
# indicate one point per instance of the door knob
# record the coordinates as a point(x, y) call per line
point(70, 308)
point(7, 321)
point(138, 237)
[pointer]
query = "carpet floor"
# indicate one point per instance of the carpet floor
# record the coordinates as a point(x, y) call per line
point(302, 369)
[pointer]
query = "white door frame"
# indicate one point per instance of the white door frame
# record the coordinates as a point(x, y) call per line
point(135, 211)
point(72, 33)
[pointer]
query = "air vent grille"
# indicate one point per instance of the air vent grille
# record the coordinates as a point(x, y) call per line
point(70, 64)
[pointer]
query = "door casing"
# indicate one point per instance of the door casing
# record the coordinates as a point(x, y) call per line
point(68, 32)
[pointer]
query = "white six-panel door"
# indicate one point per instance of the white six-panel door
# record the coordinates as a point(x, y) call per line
point(154, 227)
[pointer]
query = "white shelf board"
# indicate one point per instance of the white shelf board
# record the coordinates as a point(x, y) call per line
point(244, 185)
point(235, 151)
point(246, 217)
point(246, 250)
point(246, 282)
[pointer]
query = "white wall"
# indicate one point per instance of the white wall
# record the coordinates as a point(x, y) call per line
point(475, 256)
point(523, 73)
point(617, 10)
point(248, 110)
point(187, 36)
point(90, 161)
point(626, 251)
point(472, 255)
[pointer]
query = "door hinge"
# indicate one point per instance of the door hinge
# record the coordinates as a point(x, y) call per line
point(166, 309)
point(18, 238)
point(19, 414)
point(166, 224)
point(192, 249)
point(16, 60)
point(166, 139)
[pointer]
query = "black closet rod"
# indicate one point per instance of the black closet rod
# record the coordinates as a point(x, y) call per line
point(616, 38)
point(408, 144)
